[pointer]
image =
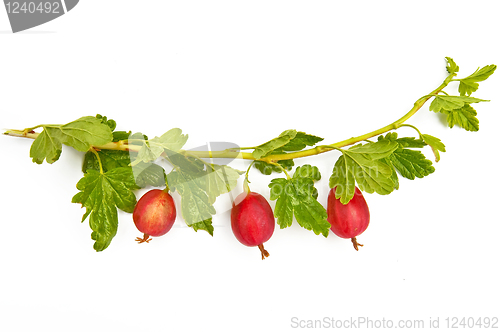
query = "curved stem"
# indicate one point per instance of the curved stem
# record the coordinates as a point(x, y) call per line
point(28, 130)
point(395, 125)
point(246, 187)
point(167, 188)
point(236, 153)
point(93, 150)
point(412, 126)
point(282, 168)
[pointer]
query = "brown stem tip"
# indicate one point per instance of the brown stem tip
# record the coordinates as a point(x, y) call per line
point(263, 251)
point(355, 243)
point(145, 238)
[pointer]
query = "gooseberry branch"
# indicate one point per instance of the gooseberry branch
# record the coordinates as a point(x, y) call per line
point(116, 163)
point(273, 158)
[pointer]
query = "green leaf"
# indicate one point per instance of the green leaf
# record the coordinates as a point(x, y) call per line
point(469, 84)
point(394, 175)
point(220, 179)
point(80, 134)
point(374, 151)
point(147, 154)
point(403, 142)
point(144, 174)
point(411, 163)
point(204, 225)
point(101, 194)
point(110, 123)
point(343, 179)
point(308, 171)
point(294, 197)
point(449, 103)
point(365, 165)
point(371, 175)
point(301, 141)
point(121, 135)
point(451, 66)
point(199, 185)
point(45, 147)
point(289, 140)
point(149, 175)
point(152, 149)
point(435, 144)
point(464, 117)
point(196, 207)
point(264, 149)
point(126, 135)
point(268, 169)
point(283, 209)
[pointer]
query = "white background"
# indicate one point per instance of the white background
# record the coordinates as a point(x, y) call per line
point(243, 72)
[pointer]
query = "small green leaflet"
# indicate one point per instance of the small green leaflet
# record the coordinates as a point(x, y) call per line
point(289, 140)
point(458, 110)
point(149, 175)
point(464, 117)
point(264, 149)
point(110, 123)
point(121, 135)
point(343, 180)
point(449, 103)
point(435, 144)
point(469, 84)
point(394, 174)
point(307, 171)
point(152, 149)
point(101, 194)
point(451, 66)
point(404, 142)
point(145, 174)
point(196, 208)
point(409, 163)
point(220, 179)
point(126, 135)
point(80, 134)
point(301, 141)
point(371, 176)
point(268, 169)
point(295, 197)
point(363, 164)
point(199, 184)
point(375, 150)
